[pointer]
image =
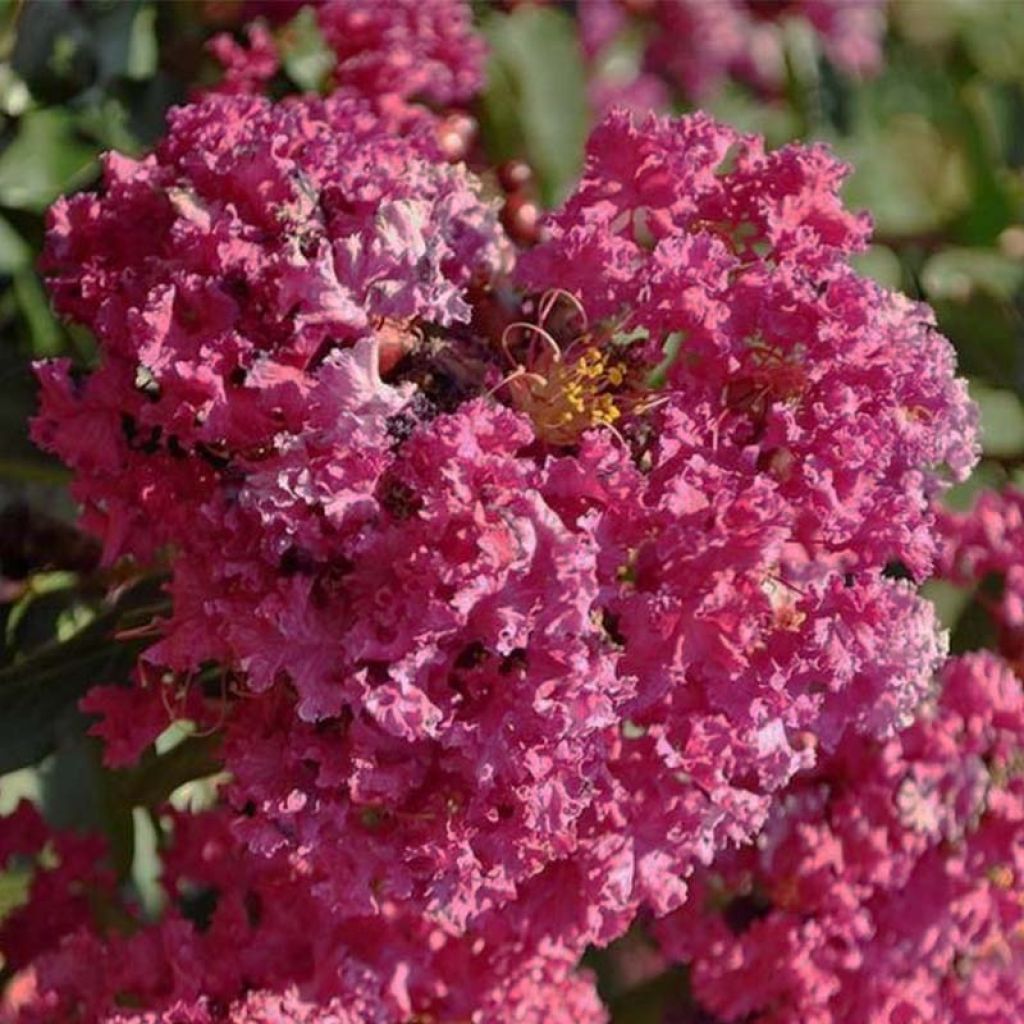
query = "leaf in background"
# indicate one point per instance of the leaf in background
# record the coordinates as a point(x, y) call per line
point(665, 997)
point(306, 57)
point(45, 159)
point(987, 475)
point(15, 98)
point(18, 387)
point(881, 264)
point(993, 35)
point(107, 123)
point(44, 332)
point(991, 208)
point(146, 865)
point(911, 177)
point(156, 776)
point(975, 628)
point(989, 337)
point(1002, 421)
point(42, 30)
point(33, 620)
point(37, 691)
point(77, 793)
point(123, 42)
point(147, 111)
point(14, 252)
point(778, 123)
point(535, 104)
point(957, 272)
point(143, 51)
point(14, 889)
point(949, 600)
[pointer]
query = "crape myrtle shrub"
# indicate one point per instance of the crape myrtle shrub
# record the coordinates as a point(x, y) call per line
point(516, 585)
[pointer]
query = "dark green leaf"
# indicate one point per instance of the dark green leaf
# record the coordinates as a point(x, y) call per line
point(14, 253)
point(41, 29)
point(14, 886)
point(45, 159)
point(44, 332)
point(77, 791)
point(651, 1002)
point(157, 776)
point(35, 691)
point(1002, 421)
point(989, 336)
point(535, 104)
point(975, 628)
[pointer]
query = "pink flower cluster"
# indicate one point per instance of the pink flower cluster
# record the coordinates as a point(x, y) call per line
point(516, 625)
point(983, 549)
point(694, 45)
point(248, 941)
point(400, 50)
point(886, 885)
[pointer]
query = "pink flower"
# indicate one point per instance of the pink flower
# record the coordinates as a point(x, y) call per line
point(403, 50)
point(697, 46)
point(885, 885)
point(984, 549)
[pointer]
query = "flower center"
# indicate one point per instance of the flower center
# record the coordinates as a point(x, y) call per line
point(566, 396)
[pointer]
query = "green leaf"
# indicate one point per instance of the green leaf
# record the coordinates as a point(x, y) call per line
point(881, 264)
point(994, 37)
point(124, 41)
point(986, 332)
point(910, 175)
point(974, 629)
point(948, 599)
point(306, 56)
point(37, 690)
point(1002, 420)
point(958, 272)
point(535, 103)
point(146, 866)
point(42, 29)
point(14, 889)
point(33, 620)
point(15, 98)
point(651, 1001)
point(143, 51)
point(15, 255)
point(108, 124)
point(987, 476)
point(77, 792)
point(45, 159)
point(44, 331)
point(157, 776)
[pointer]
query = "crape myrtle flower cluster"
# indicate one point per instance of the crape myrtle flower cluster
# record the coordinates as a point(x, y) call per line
point(694, 46)
point(886, 885)
point(529, 583)
point(983, 549)
point(247, 940)
point(402, 50)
